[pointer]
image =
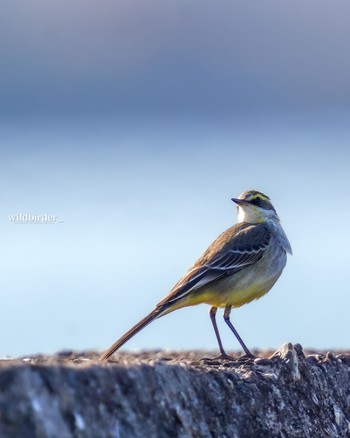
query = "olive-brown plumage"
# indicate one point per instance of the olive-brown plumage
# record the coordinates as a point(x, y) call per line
point(242, 264)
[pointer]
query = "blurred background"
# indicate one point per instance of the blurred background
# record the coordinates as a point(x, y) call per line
point(132, 124)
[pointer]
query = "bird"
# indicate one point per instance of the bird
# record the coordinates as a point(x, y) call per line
point(241, 265)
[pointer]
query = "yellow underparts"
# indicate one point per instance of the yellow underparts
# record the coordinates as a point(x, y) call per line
point(218, 299)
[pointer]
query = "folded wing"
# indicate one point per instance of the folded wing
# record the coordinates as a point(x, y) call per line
point(231, 252)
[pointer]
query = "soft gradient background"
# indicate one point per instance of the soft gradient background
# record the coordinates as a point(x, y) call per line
point(135, 123)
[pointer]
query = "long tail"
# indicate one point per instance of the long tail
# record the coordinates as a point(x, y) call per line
point(157, 312)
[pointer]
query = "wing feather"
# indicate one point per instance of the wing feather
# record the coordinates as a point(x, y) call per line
point(235, 249)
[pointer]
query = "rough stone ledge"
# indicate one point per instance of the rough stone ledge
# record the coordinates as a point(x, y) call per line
point(174, 394)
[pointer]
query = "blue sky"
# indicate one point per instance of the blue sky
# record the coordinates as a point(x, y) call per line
point(135, 124)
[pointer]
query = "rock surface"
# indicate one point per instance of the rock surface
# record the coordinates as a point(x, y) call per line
point(160, 394)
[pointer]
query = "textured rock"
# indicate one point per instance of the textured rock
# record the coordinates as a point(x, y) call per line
point(159, 394)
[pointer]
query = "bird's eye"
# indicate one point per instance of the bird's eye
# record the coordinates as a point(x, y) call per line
point(257, 201)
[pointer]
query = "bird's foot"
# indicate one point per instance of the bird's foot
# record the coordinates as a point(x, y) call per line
point(224, 357)
point(246, 358)
point(217, 359)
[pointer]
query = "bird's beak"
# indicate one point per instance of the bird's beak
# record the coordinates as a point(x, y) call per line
point(238, 201)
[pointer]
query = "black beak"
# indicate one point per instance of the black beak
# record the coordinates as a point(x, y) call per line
point(238, 201)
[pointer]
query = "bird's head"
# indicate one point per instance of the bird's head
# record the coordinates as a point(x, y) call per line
point(255, 207)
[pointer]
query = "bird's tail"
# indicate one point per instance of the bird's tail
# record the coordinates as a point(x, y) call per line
point(157, 312)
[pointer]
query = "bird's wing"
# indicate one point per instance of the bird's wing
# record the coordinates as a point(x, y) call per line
point(236, 248)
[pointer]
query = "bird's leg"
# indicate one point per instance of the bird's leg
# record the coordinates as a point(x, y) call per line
point(234, 331)
point(223, 354)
